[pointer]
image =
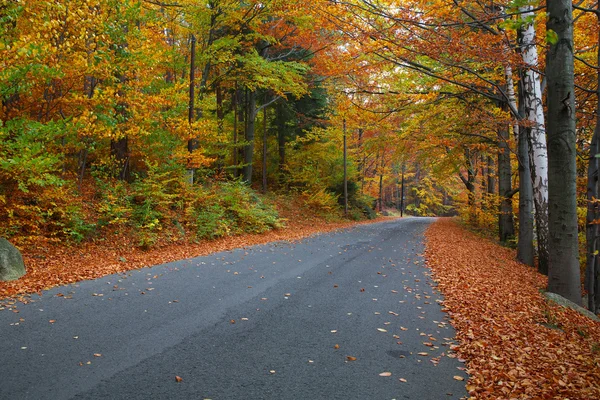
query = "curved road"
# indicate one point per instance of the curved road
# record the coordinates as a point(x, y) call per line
point(318, 319)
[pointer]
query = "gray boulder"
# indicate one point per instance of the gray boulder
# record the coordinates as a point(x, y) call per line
point(12, 266)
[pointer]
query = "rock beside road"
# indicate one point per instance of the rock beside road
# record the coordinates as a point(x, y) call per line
point(12, 266)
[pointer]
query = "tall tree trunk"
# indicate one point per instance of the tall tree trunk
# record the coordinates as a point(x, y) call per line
point(491, 175)
point(525, 253)
point(538, 153)
point(592, 275)
point(563, 267)
point(345, 150)
point(402, 193)
point(381, 170)
point(250, 128)
point(234, 101)
point(592, 230)
point(264, 151)
point(119, 149)
point(506, 227)
point(469, 183)
point(192, 143)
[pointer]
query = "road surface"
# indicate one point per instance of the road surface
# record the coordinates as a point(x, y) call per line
point(318, 319)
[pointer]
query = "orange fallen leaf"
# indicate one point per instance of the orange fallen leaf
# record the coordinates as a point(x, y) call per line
point(97, 355)
point(459, 378)
point(402, 380)
point(422, 353)
point(52, 321)
point(350, 358)
point(178, 378)
point(337, 346)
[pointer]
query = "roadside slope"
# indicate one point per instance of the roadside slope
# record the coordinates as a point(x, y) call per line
point(516, 344)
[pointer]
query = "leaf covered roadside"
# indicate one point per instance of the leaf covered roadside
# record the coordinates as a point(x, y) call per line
point(51, 264)
point(516, 344)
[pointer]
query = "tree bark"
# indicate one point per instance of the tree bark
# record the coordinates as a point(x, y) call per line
point(506, 227)
point(592, 275)
point(264, 150)
point(538, 154)
point(563, 267)
point(250, 128)
point(525, 253)
point(592, 230)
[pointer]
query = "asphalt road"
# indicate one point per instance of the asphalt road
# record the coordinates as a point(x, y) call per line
point(318, 319)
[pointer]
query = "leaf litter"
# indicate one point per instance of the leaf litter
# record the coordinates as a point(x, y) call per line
point(515, 344)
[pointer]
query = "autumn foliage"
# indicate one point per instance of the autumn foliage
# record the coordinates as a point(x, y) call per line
point(516, 344)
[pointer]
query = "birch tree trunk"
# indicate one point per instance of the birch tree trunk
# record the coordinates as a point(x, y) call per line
point(525, 236)
point(538, 154)
point(563, 267)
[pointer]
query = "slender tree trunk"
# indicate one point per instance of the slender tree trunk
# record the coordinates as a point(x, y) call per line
point(345, 172)
point(469, 183)
point(235, 131)
point(250, 128)
point(192, 143)
point(538, 154)
point(592, 228)
point(505, 218)
point(402, 193)
point(491, 175)
point(264, 150)
point(592, 276)
point(563, 267)
point(525, 252)
point(381, 180)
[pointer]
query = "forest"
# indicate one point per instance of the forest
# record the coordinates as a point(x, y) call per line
point(182, 120)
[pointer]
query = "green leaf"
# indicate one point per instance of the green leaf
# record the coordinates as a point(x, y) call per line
point(551, 37)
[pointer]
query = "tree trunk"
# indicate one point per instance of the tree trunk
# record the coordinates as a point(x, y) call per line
point(506, 227)
point(234, 100)
point(264, 151)
point(538, 154)
point(491, 177)
point(563, 267)
point(469, 183)
point(592, 275)
point(249, 147)
point(525, 253)
point(592, 230)
point(119, 150)
point(402, 193)
point(345, 172)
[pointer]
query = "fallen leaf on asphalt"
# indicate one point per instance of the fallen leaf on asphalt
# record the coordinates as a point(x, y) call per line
point(402, 380)
point(350, 358)
point(422, 353)
point(178, 378)
point(52, 321)
point(272, 371)
point(385, 374)
point(337, 346)
point(97, 355)
point(381, 330)
point(459, 378)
